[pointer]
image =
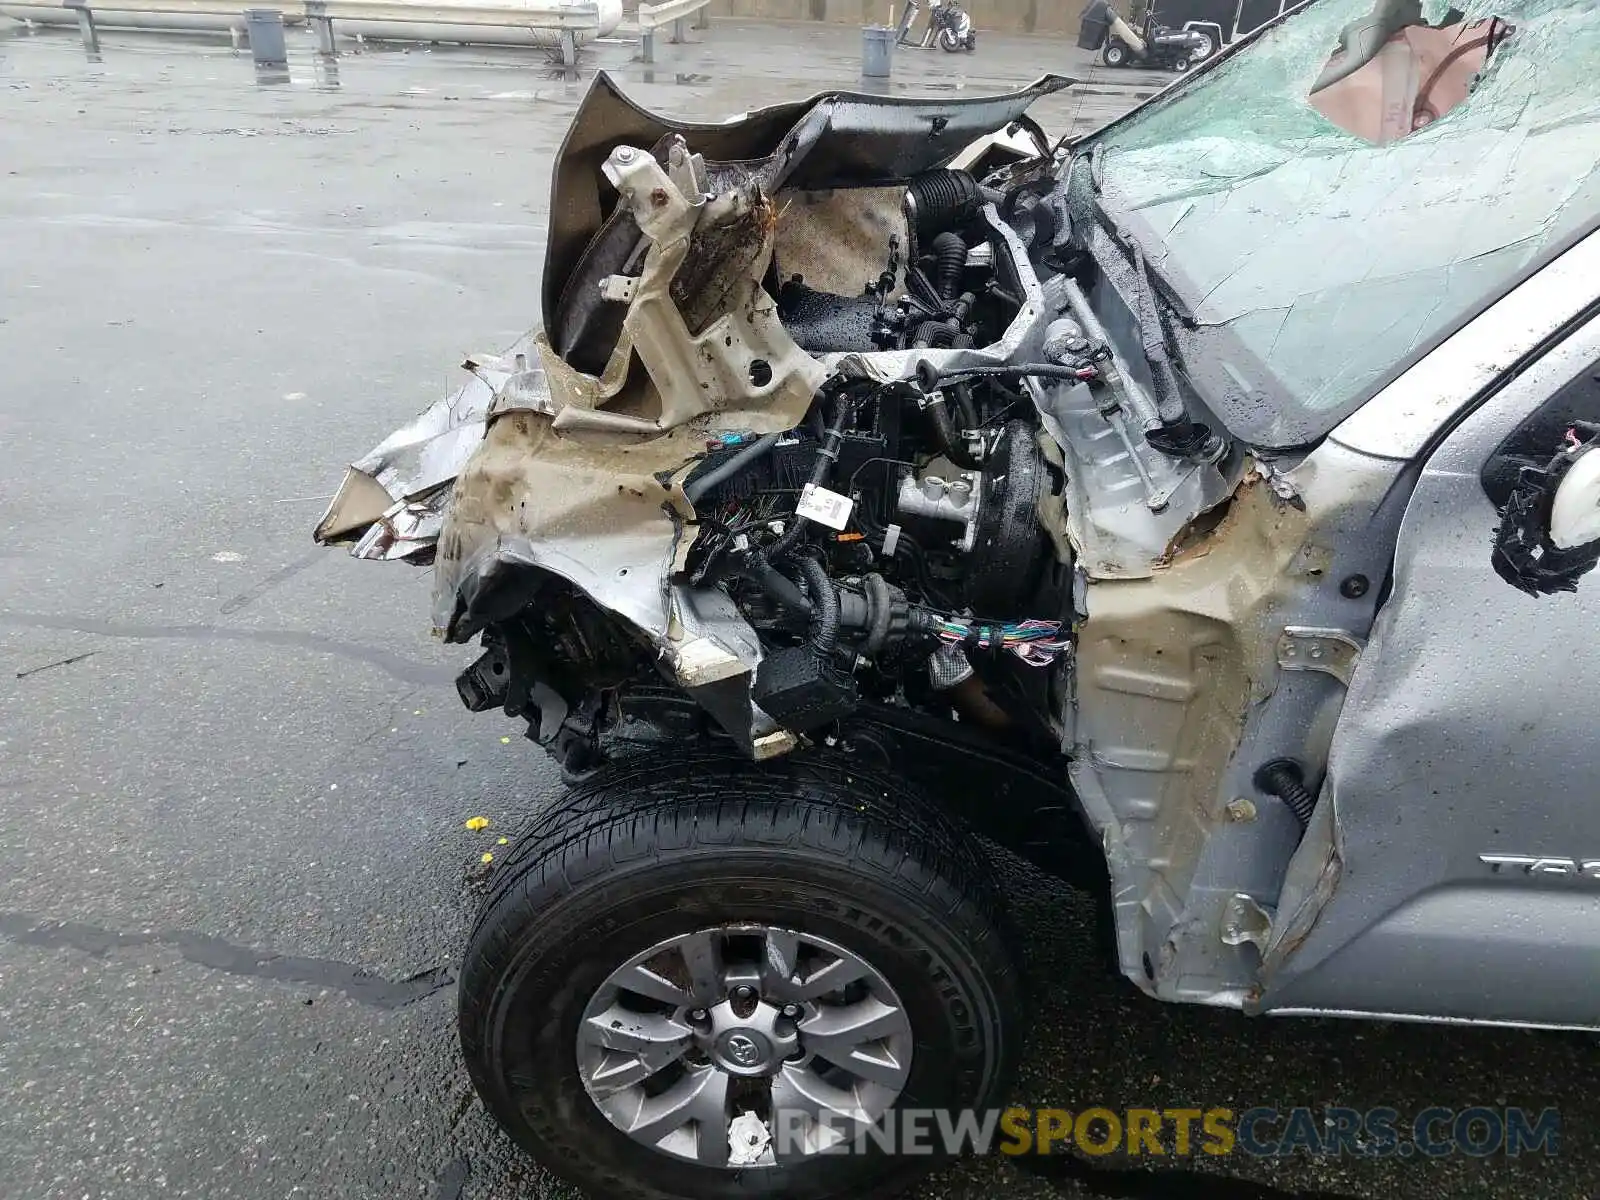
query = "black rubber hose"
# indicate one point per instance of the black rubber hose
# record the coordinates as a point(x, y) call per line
point(943, 427)
point(824, 608)
point(730, 467)
point(758, 570)
point(949, 260)
point(1282, 778)
point(937, 200)
point(753, 565)
point(932, 333)
point(877, 590)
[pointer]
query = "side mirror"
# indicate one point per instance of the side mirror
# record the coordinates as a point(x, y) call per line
point(1549, 532)
point(1575, 510)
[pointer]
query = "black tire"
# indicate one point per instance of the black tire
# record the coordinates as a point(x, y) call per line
point(1180, 64)
point(651, 850)
point(1116, 54)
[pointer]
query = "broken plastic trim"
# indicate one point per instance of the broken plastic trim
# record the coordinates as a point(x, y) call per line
point(1524, 554)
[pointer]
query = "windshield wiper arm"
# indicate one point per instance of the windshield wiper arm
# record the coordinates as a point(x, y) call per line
point(1153, 278)
point(1179, 434)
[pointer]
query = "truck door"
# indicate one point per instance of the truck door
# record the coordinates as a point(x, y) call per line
point(1464, 880)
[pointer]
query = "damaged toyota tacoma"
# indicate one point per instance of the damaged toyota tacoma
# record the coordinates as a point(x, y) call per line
point(1202, 509)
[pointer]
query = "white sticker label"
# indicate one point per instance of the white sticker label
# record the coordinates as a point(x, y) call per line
point(824, 507)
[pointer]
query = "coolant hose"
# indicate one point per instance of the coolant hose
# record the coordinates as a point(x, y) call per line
point(949, 258)
point(758, 569)
point(878, 606)
point(824, 607)
point(729, 467)
point(943, 427)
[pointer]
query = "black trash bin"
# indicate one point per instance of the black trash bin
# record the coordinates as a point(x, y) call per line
point(1096, 23)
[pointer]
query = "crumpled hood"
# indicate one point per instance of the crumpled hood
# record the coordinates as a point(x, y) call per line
point(567, 451)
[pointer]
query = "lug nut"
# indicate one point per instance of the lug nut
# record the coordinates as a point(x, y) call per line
point(791, 1011)
point(697, 1014)
point(744, 992)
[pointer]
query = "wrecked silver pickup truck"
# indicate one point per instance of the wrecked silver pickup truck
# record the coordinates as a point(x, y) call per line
point(1202, 509)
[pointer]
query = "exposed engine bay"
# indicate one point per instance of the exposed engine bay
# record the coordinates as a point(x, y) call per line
point(847, 407)
point(844, 413)
point(892, 545)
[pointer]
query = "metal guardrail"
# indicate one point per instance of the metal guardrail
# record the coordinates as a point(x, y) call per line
point(85, 11)
point(188, 8)
point(669, 12)
point(568, 20)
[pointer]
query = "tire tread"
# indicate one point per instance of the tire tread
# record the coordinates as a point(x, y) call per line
point(643, 810)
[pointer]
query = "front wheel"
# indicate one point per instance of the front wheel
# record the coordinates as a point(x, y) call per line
point(949, 41)
point(1115, 54)
point(1180, 64)
point(693, 979)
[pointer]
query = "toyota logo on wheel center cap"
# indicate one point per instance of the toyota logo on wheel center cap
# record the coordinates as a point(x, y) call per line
point(744, 1051)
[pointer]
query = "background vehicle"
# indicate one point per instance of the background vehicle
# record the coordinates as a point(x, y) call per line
point(949, 26)
point(1220, 22)
point(1129, 502)
point(1152, 44)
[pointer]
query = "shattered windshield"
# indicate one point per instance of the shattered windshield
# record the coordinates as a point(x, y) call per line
point(1320, 241)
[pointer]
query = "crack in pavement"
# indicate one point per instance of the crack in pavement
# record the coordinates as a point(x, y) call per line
point(391, 664)
point(355, 982)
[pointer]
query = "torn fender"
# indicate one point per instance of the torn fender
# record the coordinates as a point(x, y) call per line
point(661, 234)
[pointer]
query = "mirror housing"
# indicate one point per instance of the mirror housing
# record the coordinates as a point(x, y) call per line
point(1575, 509)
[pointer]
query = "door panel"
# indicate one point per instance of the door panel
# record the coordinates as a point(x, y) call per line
point(1469, 730)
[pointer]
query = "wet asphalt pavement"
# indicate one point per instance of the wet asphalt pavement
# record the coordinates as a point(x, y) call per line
point(234, 875)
